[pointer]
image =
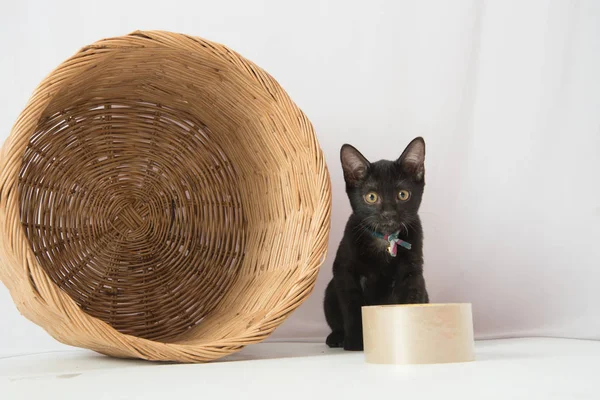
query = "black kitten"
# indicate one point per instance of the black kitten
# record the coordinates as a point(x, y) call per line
point(380, 258)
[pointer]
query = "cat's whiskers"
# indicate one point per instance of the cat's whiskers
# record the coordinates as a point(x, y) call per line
point(363, 226)
point(413, 224)
point(405, 227)
point(360, 226)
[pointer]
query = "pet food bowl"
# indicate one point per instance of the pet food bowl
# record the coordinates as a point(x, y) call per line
point(418, 333)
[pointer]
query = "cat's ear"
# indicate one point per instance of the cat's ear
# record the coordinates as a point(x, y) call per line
point(412, 159)
point(354, 164)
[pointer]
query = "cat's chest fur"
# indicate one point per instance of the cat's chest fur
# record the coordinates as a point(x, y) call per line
point(378, 272)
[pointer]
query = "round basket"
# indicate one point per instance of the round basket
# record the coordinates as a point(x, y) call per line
point(161, 197)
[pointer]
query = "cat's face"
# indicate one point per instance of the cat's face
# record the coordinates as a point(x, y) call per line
point(385, 195)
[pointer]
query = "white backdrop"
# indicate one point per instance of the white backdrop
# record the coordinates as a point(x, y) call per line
point(506, 94)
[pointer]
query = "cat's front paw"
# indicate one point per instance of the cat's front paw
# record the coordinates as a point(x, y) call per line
point(353, 343)
point(335, 339)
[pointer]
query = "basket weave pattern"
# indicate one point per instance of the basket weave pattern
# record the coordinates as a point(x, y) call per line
point(161, 197)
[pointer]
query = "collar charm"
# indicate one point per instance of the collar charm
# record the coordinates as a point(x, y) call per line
point(393, 242)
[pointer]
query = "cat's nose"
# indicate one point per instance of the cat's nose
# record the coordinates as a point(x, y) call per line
point(388, 215)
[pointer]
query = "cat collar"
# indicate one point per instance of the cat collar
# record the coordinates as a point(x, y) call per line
point(393, 242)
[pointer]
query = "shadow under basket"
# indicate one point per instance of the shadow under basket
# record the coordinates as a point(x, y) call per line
point(161, 197)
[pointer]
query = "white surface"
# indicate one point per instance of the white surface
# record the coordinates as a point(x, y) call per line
point(506, 94)
point(505, 369)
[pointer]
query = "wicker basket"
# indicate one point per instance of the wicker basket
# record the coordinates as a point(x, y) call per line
point(161, 197)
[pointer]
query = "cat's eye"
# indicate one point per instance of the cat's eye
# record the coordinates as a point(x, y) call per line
point(371, 197)
point(403, 195)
